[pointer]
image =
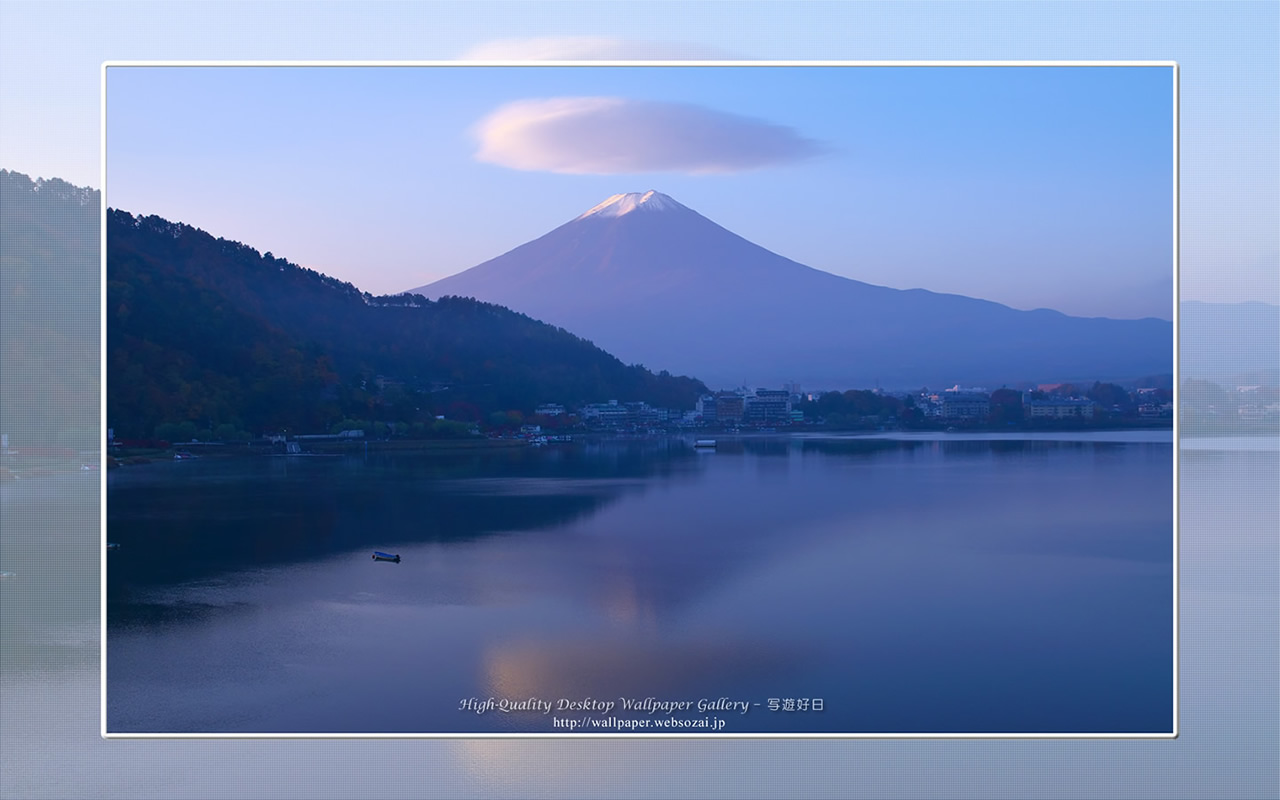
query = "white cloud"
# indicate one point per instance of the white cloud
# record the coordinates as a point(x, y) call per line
point(612, 135)
point(588, 48)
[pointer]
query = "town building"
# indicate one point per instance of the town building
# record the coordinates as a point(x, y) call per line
point(609, 413)
point(768, 406)
point(965, 406)
point(730, 407)
point(1059, 408)
point(706, 408)
point(644, 414)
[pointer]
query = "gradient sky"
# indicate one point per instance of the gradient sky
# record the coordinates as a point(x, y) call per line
point(1229, 53)
point(1034, 187)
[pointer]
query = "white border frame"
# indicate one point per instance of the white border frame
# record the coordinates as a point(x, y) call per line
point(620, 735)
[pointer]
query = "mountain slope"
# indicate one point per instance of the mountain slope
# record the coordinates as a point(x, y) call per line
point(657, 283)
point(49, 317)
point(211, 331)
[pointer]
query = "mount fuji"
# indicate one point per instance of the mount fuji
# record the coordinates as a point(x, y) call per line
point(654, 282)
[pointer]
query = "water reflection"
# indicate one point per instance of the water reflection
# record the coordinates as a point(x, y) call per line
point(612, 667)
point(899, 579)
point(49, 526)
point(178, 522)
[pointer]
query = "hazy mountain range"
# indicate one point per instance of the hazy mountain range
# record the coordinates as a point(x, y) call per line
point(656, 283)
point(1230, 343)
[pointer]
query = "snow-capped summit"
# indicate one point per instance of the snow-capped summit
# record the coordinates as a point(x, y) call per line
point(676, 291)
point(620, 204)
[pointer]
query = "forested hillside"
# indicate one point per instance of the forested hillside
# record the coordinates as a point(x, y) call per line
point(213, 332)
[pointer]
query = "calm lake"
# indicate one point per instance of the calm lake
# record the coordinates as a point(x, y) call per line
point(943, 584)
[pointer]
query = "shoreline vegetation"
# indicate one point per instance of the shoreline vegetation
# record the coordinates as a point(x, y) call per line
point(19, 466)
point(132, 456)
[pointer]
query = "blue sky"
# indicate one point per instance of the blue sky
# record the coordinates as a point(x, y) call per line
point(50, 53)
point(1035, 187)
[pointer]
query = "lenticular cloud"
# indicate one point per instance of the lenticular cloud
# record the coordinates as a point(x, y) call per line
point(612, 135)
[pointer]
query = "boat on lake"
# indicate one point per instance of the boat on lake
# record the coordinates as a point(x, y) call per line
point(380, 556)
point(705, 444)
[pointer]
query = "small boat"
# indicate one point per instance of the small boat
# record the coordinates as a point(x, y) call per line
point(8, 574)
point(705, 444)
point(113, 545)
point(380, 556)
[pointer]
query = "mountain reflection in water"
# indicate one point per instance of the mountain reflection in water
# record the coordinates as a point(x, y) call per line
point(916, 585)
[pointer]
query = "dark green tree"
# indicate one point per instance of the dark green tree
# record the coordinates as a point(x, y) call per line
point(1110, 396)
point(1006, 407)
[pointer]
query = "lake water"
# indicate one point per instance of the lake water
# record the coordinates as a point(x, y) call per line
point(912, 584)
